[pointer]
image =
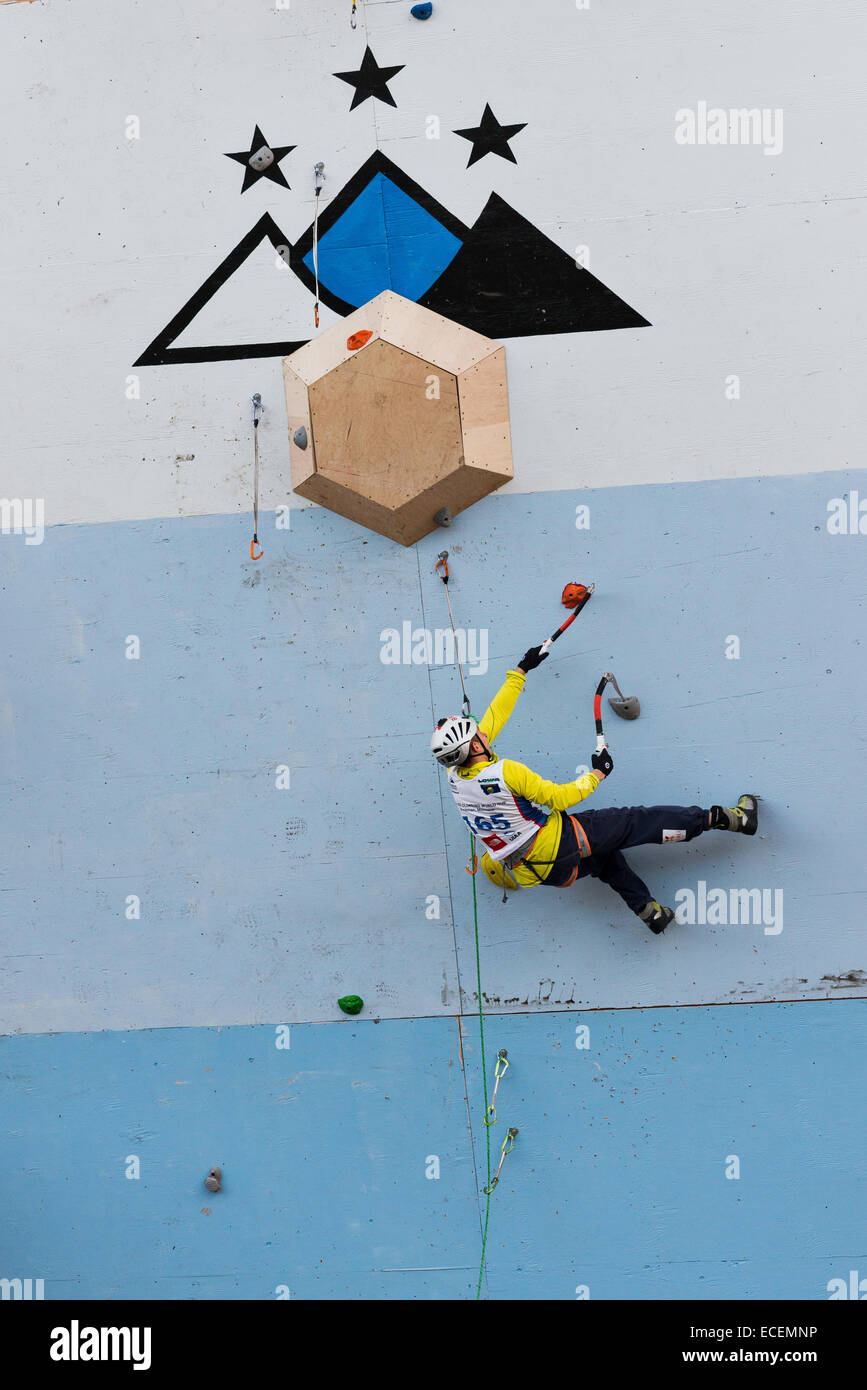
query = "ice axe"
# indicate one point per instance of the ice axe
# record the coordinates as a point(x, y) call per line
point(626, 706)
point(574, 596)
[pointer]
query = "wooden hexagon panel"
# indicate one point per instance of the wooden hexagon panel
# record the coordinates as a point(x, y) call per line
point(404, 413)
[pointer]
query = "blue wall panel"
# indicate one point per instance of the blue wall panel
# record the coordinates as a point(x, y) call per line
point(617, 1180)
point(322, 1146)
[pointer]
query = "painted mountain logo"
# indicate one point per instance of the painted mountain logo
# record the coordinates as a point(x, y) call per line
point(502, 276)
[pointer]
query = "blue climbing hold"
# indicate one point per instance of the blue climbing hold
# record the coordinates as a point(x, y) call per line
point(422, 11)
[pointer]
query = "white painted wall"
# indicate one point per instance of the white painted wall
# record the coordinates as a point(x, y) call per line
point(744, 263)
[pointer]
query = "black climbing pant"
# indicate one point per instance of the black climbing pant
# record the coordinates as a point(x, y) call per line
point(607, 832)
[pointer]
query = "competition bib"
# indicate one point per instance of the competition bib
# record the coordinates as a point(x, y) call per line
point(502, 821)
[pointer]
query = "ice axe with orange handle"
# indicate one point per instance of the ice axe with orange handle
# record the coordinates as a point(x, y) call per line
point(575, 596)
point(626, 706)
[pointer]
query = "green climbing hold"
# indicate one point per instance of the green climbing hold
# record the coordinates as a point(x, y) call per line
point(351, 1004)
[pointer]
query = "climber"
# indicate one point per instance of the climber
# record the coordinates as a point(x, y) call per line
point(523, 845)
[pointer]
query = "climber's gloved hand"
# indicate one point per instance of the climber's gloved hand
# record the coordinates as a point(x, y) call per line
point(531, 659)
point(602, 762)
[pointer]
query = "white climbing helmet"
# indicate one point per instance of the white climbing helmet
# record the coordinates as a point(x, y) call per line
point(451, 739)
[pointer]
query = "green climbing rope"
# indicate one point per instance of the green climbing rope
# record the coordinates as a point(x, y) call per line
point(488, 1192)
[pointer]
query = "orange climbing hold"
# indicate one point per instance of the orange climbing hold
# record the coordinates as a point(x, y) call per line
point(357, 340)
point(573, 594)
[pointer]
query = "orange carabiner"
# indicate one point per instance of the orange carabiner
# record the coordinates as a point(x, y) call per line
point(475, 865)
point(253, 556)
point(444, 561)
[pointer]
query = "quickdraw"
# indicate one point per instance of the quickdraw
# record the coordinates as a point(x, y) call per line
point(256, 402)
point(506, 1148)
point(443, 563)
point(318, 180)
point(500, 1070)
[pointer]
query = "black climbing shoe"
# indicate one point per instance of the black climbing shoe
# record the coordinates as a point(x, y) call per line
point(656, 917)
point(743, 818)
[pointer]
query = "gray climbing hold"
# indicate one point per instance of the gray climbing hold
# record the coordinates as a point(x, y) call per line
point(627, 708)
point(300, 437)
point(213, 1180)
point(443, 517)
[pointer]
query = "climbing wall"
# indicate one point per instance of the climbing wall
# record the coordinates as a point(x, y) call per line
point(220, 811)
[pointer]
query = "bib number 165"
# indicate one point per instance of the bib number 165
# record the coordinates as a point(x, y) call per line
point(479, 824)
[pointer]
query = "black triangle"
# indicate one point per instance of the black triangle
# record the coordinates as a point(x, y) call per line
point(160, 350)
point(509, 280)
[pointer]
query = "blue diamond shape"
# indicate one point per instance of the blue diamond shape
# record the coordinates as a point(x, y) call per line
point(384, 240)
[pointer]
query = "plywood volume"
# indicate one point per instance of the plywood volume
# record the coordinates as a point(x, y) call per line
point(484, 408)
point(414, 421)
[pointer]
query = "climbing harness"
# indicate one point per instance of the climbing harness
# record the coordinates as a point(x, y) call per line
point(499, 1072)
point(443, 562)
point(256, 402)
point(318, 180)
point(506, 1148)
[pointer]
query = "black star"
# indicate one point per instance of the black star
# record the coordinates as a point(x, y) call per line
point(490, 137)
point(272, 172)
point(370, 80)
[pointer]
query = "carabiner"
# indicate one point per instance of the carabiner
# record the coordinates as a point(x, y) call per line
point(502, 1056)
point(506, 1148)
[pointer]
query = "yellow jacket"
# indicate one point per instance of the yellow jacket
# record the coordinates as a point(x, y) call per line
point(524, 782)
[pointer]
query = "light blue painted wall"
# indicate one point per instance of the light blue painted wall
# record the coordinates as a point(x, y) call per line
point(156, 777)
point(617, 1180)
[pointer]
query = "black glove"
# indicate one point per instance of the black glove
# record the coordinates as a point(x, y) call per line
point(531, 659)
point(602, 762)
